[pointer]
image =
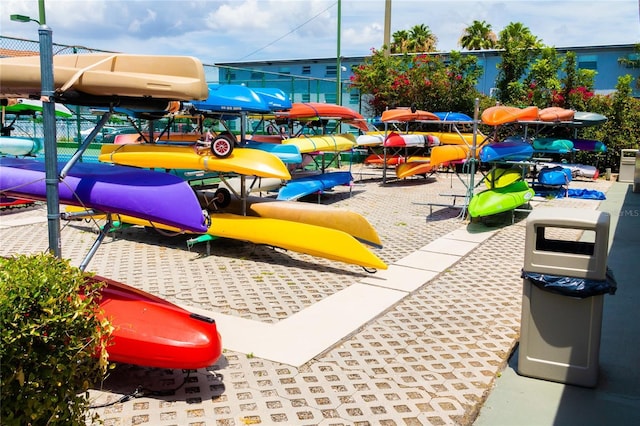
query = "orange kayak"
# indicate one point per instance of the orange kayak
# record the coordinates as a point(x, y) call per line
point(405, 114)
point(420, 166)
point(556, 114)
point(446, 153)
point(501, 114)
point(308, 110)
point(378, 159)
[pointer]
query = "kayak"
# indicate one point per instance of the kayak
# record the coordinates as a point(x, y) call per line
point(155, 196)
point(17, 145)
point(152, 332)
point(556, 175)
point(589, 145)
point(556, 114)
point(511, 150)
point(499, 200)
point(552, 145)
point(500, 177)
point(501, 114)
point(402, 115)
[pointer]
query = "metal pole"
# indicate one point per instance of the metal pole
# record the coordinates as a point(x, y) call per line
point(387, 27)
point(50, 143)
point(338, 61)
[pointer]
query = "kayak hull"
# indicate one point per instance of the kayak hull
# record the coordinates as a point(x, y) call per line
point(160, 197)
point(500, 200)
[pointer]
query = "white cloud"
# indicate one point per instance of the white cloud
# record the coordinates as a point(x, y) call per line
point(230, 30)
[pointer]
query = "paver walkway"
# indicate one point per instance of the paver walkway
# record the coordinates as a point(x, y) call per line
point(314, 342)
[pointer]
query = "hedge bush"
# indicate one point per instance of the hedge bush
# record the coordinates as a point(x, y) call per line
point(53, 341)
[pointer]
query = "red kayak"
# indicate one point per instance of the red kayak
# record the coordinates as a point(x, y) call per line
point(14, 202)
point(152, 332)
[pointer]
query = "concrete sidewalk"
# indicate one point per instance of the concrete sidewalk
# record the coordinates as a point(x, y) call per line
point(517, 401)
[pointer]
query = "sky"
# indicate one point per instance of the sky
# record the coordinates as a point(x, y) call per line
point(219, 31)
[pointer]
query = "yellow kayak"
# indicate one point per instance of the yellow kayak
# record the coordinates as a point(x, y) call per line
point(499, 177)
point(313, 240)
point(244, 161)
point(455, 138)
point(334, 143)
point(344, 220)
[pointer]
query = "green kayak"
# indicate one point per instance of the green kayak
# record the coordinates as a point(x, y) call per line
point(498, 200)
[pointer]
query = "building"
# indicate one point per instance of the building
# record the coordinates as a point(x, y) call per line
point(315, 80)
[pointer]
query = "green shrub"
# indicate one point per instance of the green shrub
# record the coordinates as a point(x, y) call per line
point(53, 341)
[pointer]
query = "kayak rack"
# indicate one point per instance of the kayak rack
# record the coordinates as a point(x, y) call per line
point(469, 183)
point(104, 230)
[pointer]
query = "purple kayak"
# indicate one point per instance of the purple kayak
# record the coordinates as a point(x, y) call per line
point(589, 145)
point(145, 194)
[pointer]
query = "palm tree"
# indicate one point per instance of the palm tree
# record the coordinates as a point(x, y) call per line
point(400, 41)
point(517, 35)
point(418, 39)
point(478, 36)
point(421, 39)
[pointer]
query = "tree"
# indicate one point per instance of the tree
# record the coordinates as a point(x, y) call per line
point(517, 35)
point(400, 41)
point(421, 39)
point(423, 81)
point(418, 39)
point(520, 48)
point(544, 85)
point(632, 61)
point(478, 36)
point(577, 84)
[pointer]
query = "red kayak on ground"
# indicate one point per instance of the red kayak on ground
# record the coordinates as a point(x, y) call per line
point(152, 332)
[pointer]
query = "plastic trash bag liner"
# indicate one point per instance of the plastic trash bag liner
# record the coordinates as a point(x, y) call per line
point(572, 286)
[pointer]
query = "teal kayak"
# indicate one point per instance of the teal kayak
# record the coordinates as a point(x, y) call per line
point(17, 145)
point(553, 145)
point(499, 200)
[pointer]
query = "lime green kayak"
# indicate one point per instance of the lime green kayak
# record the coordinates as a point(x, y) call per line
point(499, 200)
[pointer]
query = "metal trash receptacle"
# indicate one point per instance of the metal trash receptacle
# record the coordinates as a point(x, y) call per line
point(627, 165)
point(560, 334)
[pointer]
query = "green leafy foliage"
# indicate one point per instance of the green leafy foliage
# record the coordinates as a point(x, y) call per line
point(423, 81)
point(53, 341)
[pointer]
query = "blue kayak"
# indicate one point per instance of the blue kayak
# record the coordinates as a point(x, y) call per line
point(287, 153)
point(556, 175)
point(234, 99)
point(275, 99)
point(510, 150)
point(453, 116)
point(297, 188)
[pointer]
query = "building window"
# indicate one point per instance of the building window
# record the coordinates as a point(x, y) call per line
point(305, 97)
point(306, 70)
point(331, 71)
point(588, 62)
point(354, 97)
point(284, 72)
point(256, 75)
point(330, 98)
